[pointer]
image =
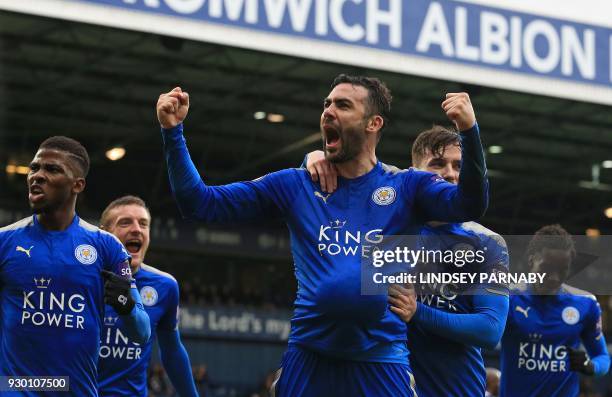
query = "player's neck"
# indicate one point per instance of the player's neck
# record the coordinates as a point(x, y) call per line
point(360, 165)
point(57, 220)
point(134, 269)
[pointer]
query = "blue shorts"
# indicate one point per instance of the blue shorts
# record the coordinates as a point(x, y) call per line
point(304, 373)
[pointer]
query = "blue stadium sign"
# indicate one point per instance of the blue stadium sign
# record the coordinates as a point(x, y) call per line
point(442, 39)
point(235, 323)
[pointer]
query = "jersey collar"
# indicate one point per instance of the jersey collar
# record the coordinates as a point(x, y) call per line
point(38, 227)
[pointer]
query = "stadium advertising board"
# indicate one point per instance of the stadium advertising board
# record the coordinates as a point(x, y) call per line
point(232, 323)
point(421, 37)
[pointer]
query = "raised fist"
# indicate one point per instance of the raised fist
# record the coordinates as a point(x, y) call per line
point(172, 108)
point(459, 110)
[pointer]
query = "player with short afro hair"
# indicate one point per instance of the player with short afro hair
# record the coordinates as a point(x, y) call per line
point(76, 151)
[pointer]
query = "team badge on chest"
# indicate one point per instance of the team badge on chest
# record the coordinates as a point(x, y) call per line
point(149, 296)
point(86, 254)
point(570, 315)
point(384, 195)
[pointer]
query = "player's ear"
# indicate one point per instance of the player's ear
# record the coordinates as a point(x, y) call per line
point(79, 185)
point(375, 123)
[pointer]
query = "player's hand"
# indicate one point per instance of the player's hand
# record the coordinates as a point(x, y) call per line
point(579, 361)
point(459, 110)
point(322, 171)
point(403, 301)
point(117, 293)
point(172, 108)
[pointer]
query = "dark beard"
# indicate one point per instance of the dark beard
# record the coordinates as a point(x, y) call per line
point(352, 144)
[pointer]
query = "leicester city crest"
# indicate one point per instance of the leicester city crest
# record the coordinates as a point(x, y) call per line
point(148, 295)
point(384, 195)
point(570, 315)
point(86, 254)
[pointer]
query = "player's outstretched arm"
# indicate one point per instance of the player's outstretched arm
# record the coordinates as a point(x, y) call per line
point(483, 327)
point(597, 363)
point(121, 293)
point(234, 202)
point(473, 185)
point(469, 200)
point(176, 362)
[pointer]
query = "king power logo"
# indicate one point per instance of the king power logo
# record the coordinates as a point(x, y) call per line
point(115, 344)
point(540, 357)
point(335, 239)
point(45, 308)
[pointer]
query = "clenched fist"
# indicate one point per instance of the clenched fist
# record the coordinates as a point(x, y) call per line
point(459, 110)
point(172, 108)
point(402, 300)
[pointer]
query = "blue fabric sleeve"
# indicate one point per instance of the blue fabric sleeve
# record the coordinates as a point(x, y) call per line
point(483, 328)
point(270, 195)
point(176, 362)
point(595, 343)
point(137, 323)
point(468, 200)
point(473, 182)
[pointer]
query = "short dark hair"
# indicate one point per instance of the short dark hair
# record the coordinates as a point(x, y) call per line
point(433, 140)
point(551, 237)
point(68, 145)
point(105, 219)
point(379, 95)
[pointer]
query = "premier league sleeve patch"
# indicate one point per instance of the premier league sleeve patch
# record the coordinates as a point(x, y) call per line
point(148, 295)
point(86, 254)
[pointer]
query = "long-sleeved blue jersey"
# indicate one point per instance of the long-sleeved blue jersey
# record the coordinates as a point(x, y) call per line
point(52, 301)
point(122, 368)
point(534, 360)
point(452, 324)
point(331, 232)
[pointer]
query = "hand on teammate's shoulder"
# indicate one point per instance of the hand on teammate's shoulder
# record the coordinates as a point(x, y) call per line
point(322, 170)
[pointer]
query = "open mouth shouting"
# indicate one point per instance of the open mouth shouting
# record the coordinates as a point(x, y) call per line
point(331, 137)
point(36, 194)
point(133, 246)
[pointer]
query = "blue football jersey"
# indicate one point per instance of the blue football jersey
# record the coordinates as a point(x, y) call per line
point(441, 366)
point(330, 234)
point(534, 361)
point(52, 300)
point(123, 364)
